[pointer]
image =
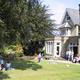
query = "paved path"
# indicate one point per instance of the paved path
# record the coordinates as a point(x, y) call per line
point(61, 61)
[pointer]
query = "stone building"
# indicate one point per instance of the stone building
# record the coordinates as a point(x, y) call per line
point(68, 38)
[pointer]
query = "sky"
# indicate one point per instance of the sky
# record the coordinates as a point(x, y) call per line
point(57, 7)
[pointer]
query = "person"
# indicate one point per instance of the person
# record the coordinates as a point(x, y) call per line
point(72, 55)
point(67, 53)
point(78, 59)
point(8, 65)
point(39, 57)
point(1, 64)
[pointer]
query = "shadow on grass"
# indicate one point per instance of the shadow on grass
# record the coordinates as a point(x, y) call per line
point(23, 65)
point(3, 75)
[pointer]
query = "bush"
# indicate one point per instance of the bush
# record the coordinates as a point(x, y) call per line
point(12, 51)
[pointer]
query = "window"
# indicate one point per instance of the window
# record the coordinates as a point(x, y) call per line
point(57, 50)
point(58, 43)
point(68, 18)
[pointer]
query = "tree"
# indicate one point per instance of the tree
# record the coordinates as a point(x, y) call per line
point(39, 20)
point(13, 22)
point(13, 13)
point(23, 22)
point(40, 23)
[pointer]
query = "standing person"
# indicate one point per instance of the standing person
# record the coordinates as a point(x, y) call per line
point(67, 54)
point(2, 64)
point(39, 57)
point(8, 65)
point(72, 55)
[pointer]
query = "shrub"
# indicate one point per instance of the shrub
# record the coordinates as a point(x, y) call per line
point(12, 51)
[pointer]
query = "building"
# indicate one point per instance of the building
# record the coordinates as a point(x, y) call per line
point(69, 36)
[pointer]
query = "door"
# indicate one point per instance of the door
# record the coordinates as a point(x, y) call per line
point(75, 49)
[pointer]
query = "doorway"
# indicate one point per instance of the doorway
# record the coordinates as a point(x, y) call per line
point(75, 49)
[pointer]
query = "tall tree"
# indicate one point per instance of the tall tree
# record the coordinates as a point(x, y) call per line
point(13, 25)
point(39, 20)
point(24, 21)
point(13, 14)
point(40, 23)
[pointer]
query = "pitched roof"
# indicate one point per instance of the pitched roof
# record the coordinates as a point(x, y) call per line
point(74, 15)
point(65, 25)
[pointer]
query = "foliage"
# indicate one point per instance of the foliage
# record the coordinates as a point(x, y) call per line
point(39, 20)
point(23, 21)
point(13, 14)
point(12, 51)
point(40, 25)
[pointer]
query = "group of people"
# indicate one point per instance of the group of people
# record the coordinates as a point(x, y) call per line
point(69, 55)
point(5, 65)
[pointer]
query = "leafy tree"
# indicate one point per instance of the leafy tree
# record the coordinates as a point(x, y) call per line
point(40, 24)
point(24, 22)
point(39, 20)
point(13, 21)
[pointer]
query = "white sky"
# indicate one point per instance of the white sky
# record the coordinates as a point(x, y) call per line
point(57, 7)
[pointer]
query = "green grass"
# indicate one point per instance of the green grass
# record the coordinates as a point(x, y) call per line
point(31, 70)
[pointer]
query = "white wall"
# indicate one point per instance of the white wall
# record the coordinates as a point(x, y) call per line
point(75, 31)
point(68, 32)
point(51, 46)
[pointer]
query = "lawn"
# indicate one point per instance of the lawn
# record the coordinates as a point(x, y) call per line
point(31, 70)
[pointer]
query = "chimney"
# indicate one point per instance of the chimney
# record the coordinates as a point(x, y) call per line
point(79, 14)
